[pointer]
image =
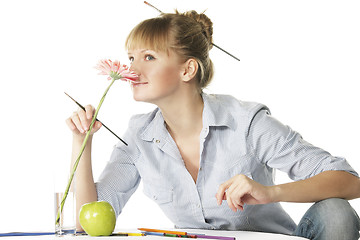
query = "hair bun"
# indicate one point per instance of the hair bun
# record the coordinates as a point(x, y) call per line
point(205, 23)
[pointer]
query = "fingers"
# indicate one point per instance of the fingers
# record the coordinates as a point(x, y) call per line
point(235, 191)
point(84, 121)
point(75, 123)
point(234, 196)
point(97, 125)
point(233, 199)
point(220, 195)
point(79, 122)
point(89, 111)
point(71, 124)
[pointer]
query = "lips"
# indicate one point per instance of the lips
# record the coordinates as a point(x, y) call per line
point(139, 83)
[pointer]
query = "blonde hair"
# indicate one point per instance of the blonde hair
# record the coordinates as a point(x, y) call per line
point(189, 34)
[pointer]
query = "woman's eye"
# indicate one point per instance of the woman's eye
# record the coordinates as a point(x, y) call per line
point(131, 59)
point(149, 57)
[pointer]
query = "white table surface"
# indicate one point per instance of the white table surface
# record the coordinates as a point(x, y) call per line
point(239, 235)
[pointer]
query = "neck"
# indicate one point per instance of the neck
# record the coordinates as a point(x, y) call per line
point(183, 114)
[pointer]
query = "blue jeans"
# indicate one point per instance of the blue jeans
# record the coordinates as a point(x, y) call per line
point(330, 219)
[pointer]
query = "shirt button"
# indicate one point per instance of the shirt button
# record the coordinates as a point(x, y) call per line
point(157, 141)
point(199, 206)
point(154, 197)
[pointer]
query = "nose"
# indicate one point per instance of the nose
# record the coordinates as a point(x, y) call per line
point(134, 68)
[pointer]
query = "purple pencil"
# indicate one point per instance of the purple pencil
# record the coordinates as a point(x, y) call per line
point(215, 237)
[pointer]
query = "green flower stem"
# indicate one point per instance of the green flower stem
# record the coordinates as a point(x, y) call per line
point(81, 152)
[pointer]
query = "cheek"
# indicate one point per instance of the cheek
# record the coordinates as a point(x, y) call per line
point(168, 76)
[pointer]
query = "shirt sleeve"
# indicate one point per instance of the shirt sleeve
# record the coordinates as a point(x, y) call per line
point(120, 178)
point(279, 147)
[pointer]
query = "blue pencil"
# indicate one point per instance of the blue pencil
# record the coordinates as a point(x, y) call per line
point(17, 234)
point(154, 233)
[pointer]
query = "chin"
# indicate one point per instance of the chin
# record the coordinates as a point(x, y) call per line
point(146, 99)
point(140, 97)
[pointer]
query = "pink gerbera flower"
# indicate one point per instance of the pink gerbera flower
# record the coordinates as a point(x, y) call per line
point(116, 71)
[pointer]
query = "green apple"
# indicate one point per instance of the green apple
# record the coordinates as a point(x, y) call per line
point(97, 218)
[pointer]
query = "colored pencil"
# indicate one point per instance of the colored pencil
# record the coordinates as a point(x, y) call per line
point(169, 233)
point(18, 234)
point(215, 237)
point(162, 231)
point(154, 233)
point(128, 234)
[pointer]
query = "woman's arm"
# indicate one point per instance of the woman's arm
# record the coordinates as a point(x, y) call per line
point(241, 190)
point(85, 192)
point(84, 181)
point(328, 184)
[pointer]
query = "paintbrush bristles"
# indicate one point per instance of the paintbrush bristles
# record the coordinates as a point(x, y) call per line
point(152, 6)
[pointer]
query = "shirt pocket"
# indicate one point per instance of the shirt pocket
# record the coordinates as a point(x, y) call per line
point(223, 172)
point(157, 194)
point(162, 195)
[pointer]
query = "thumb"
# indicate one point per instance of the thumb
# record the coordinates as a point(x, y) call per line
point(97, 125)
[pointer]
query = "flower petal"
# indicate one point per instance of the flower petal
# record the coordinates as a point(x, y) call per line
point(116, 71)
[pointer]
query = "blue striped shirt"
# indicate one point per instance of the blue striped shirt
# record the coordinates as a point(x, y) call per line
point(237, 138)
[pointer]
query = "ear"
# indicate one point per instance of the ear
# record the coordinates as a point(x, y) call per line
point(190, 68)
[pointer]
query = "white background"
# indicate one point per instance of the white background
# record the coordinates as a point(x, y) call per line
point(301, 58)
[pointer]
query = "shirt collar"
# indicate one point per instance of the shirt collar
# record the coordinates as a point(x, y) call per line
point(215, 113)
point(155, 128)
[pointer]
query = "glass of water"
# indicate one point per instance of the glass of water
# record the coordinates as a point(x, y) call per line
point(65, 211)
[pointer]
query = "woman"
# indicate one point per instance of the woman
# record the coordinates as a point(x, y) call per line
point(195, 151)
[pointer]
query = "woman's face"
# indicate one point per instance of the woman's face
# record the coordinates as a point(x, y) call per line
point(159, 74)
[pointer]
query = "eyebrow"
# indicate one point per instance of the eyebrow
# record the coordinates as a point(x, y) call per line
point(144, 50)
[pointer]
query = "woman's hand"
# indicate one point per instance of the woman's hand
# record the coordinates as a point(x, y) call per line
point(79, 122)
point(241, 190)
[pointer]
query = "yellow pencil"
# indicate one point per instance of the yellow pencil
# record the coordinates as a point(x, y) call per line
point(136, 234)
point(161, 231)
point(129, 234)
